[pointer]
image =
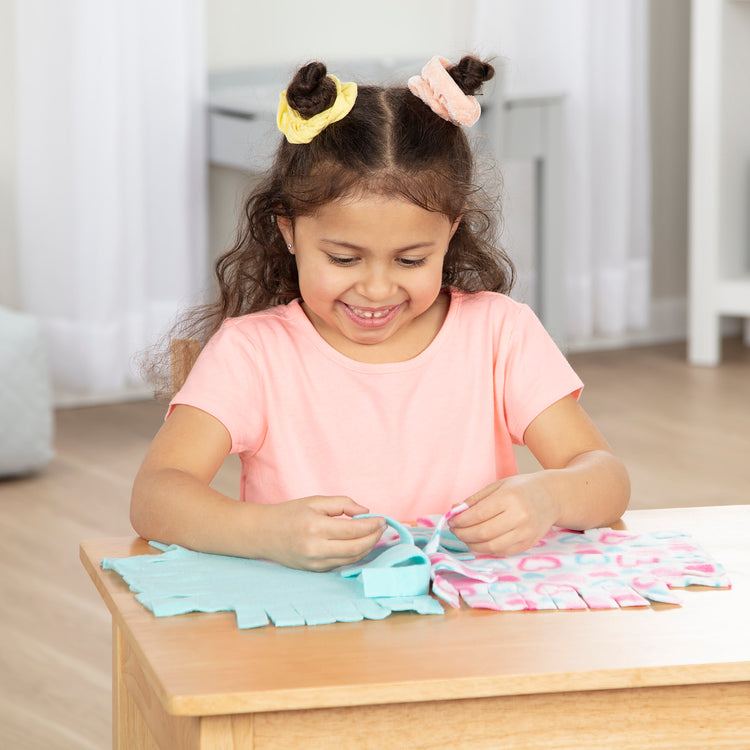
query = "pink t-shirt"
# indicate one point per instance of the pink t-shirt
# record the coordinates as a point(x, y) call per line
point(404, 439)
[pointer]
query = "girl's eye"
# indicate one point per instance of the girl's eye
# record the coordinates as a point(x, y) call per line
point(347, 260)
point(341, 261)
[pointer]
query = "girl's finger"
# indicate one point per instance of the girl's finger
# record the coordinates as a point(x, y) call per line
point(479, 510)
point(338, 506)
point(355, 528)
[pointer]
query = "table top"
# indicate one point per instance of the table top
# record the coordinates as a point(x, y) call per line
point(201, 664)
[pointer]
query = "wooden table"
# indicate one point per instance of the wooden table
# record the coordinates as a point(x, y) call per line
point(655, 677)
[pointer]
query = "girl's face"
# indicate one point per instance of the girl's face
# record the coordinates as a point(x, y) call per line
point(370, 273)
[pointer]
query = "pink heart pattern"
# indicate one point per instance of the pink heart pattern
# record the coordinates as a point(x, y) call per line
point(596, 569)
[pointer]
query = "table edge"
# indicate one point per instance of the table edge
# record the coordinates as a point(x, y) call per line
point(458, 689)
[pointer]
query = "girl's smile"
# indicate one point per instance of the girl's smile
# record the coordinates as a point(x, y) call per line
point(370, 274)
point(369, 318)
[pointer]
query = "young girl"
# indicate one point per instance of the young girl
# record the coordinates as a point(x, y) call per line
point(363, 354)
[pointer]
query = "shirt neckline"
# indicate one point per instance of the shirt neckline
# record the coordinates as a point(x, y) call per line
point(312, 335)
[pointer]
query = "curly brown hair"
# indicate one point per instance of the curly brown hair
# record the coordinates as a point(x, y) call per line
point(390, 143)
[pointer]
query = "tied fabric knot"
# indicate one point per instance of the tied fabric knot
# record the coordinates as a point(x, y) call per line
point(401, 569)
point(299, 129)
point(442, 94)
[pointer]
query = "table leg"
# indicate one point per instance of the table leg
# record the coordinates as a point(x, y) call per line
point(129, 728)
point(139, 721)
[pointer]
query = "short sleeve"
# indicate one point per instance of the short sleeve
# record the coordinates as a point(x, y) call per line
point(225, 382)
point(531, 373)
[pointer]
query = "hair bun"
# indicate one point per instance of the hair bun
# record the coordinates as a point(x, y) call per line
point(311, 91)
point(470, 73)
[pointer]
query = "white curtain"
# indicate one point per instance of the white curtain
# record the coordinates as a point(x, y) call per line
point(595, 52)
point(111, 178)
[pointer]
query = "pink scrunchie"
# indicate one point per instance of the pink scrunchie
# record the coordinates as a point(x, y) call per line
point(442, 95)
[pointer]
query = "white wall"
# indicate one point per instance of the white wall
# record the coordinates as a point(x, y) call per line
point(670, 70)
point(8, 238)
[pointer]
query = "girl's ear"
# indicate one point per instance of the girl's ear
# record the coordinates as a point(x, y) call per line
point(284, 223)
point(455, 226)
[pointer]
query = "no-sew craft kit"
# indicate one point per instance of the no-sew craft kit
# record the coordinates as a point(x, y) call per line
point(595, 569)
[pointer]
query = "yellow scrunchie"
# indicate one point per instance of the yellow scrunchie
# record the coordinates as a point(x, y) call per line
point(299, 130)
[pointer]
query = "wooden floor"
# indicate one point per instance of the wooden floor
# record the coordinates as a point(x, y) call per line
point(683, 431)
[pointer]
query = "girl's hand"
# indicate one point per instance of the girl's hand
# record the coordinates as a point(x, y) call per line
point(508, 516)
point(582, 485)
point(310, 533)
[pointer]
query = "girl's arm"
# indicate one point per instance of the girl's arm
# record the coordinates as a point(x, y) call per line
point(173, 502)
point(582, 485)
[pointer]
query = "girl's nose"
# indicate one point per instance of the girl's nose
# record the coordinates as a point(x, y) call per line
point(376, 284)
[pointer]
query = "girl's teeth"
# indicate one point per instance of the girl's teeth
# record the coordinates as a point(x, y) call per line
point(368, 314)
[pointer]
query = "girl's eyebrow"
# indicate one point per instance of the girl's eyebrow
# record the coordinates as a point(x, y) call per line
point(357, 248)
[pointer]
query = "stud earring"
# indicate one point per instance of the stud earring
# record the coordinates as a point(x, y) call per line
point(288, 247)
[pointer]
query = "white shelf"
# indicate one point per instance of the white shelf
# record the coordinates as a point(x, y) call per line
point(733, 297)
point(720, 164)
